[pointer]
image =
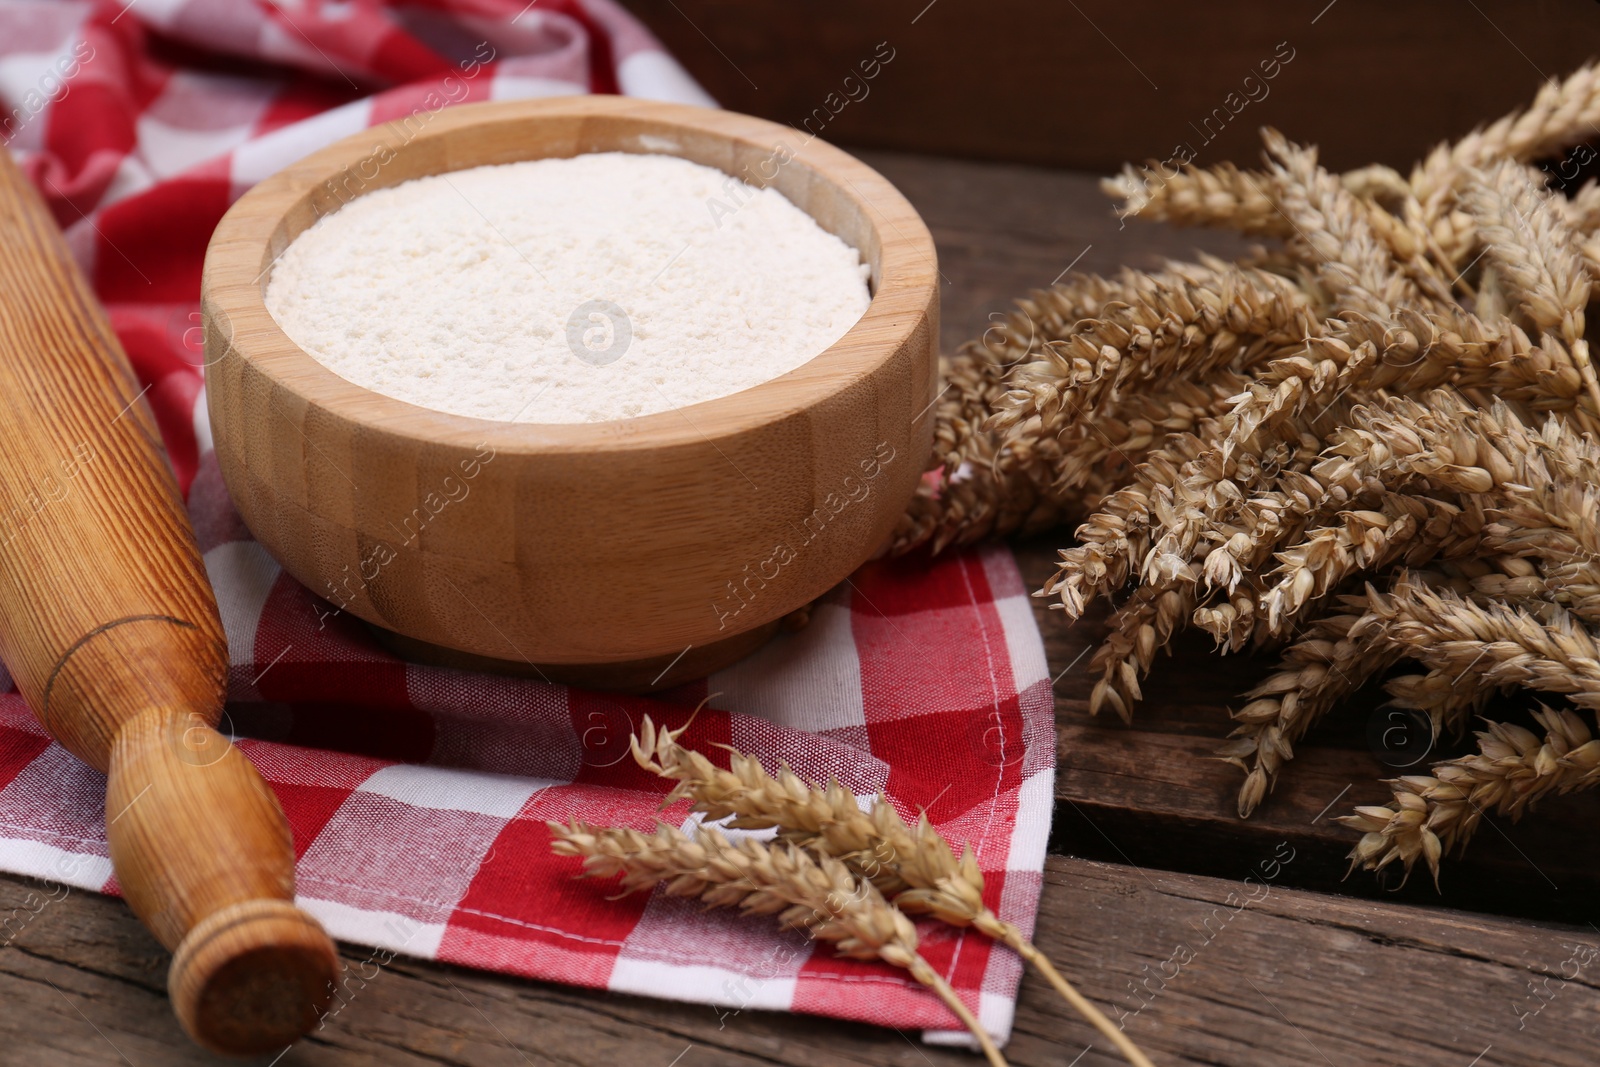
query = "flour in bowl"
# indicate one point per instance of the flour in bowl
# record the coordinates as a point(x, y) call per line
point(567, 290)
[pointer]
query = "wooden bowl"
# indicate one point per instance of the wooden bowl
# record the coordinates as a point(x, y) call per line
point(597, 553)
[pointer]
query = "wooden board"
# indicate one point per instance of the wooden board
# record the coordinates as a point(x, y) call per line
point(1288, 977)
point(1096, 82)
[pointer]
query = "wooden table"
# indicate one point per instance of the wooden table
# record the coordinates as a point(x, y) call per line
point(1147, 867)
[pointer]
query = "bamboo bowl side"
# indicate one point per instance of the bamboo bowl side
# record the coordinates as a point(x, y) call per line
point(600, 551)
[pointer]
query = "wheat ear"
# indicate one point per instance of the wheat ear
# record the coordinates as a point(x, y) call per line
point(1536, 251)
point(1561, 115)
point(815, 893)
point(1222, 196)
point(1332, 660)
point(1513, 769)
point(1502, 645)
point(915, 866)
point(1333, 235)
point(986, 488)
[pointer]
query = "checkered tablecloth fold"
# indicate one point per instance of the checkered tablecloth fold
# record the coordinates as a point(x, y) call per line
point(418, 795)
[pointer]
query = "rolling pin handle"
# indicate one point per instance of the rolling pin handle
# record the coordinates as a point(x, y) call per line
point(201, 849)
point(205, 859)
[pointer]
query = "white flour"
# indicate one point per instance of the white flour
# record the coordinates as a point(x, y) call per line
point(567, 290)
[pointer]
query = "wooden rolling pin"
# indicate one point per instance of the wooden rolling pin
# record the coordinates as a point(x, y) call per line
point(110, 628)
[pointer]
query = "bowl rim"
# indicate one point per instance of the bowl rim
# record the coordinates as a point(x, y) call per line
point(234, 280)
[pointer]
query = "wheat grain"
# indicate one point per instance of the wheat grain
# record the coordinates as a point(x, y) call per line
point(1332, 233)
point(976, 505)
point(1103, 448)
point(1412, 529)
point(1536, 255)
point(1343, 650)
point(1439, 694)
point(1410, 386)
point(1563, 114)
point(1224, 196)
point(898, 858)
point(991, 483)
point(1431, 815)
point(1500, 644)
point(1216, 196)
point(1178, 326)
point(1337, 654)
point(815, 893)
point(914, 865)
point(1503, 647)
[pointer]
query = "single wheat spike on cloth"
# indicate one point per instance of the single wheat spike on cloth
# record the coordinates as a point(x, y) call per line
point(914, 866)
point(814, 893)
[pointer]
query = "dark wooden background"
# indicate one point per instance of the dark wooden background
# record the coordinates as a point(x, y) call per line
point(1092, 83)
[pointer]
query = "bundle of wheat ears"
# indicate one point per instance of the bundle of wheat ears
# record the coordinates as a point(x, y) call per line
point(845, 875)
point(1368, 444)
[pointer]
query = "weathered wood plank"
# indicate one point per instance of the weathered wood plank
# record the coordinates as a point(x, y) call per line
point(1355, 982)
point(1094, 83)
point(1286, 976)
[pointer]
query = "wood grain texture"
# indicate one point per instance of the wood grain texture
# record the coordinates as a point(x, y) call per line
point(1277, 976)
point(580, 544)
point(109, 627)
point(1095, 83)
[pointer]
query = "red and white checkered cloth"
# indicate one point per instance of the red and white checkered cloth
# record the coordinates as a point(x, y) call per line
point(418, 795)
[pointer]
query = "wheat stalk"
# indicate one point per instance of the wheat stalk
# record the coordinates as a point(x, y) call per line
point(1182, 325)
point(815, 893)
point(1224, 196)
point(1343, 650)
point(1536, 253)
point(1561, 115)
point(1404, 381)
point(1141, 627)
point(913, 865)
point(1413, 529)
point(1216, 196)
point(1512, 771)
point(1334, 657)
point(1501, 645)
point(1332, 233)
point(985, 489)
